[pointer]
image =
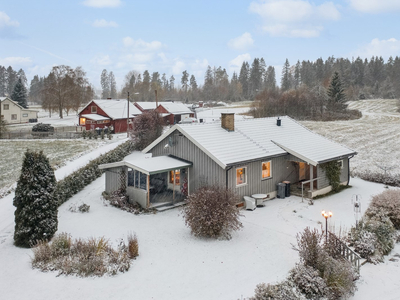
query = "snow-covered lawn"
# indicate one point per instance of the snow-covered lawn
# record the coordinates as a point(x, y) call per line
point(175, 265)
point(376, 136)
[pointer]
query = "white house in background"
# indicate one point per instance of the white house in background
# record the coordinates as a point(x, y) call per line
point(13, 113)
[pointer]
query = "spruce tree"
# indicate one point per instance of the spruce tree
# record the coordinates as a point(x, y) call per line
point(36, 213)
point(19, 94)
point(336, 96)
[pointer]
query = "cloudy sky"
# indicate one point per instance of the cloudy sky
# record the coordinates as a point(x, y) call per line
point(170, 36)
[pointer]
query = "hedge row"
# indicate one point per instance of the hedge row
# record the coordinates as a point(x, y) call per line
point(388, 179)
point(76, 181)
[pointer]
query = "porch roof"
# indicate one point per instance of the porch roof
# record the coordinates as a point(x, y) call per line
point(149, 165)
point(95, 117)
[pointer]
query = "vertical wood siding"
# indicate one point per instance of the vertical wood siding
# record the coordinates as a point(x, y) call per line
point(323, 182)
point(113, 182)
point(281, 170)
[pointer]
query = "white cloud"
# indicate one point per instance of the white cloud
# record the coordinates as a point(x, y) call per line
point(101, 60)
point(140, 45)
point(236, 63)
point(104, 23)
point(178, 67)
point(242, 42)
point(5, 21)
point(384, 48)
point(102, 3)
point(15, 61)
point(375, 6)
point(294, 18)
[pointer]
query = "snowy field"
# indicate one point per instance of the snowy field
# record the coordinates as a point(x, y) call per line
point(376, 136)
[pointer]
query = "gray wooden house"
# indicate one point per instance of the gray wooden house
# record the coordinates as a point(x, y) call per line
point(249, 156)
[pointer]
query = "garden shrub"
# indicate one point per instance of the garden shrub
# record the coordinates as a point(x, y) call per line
point(91, 257)
point(308, 281)
point(211, 212)
point(389, 202)
point(76, 181)
point(120, 200)
point(309, 246)
point(280, 291)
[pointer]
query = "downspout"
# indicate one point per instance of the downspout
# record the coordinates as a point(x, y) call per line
point(226, 178)
point(348, 169)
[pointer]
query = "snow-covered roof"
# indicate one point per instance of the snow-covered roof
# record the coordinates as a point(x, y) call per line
point(147, 105)
point(258, 138)
point(116, 109)
point(176, 108)
point(149, 165)
point(95, 117)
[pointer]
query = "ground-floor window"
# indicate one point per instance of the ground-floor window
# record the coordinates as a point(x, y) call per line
point(13, 117)
point(241, 176)
point(137, 179)
point(177, 177)
point(266, 170)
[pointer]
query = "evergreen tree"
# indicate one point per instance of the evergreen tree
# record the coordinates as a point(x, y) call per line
point(255, 79)
point(105, 84)
point(36, 213)
point(336, 96)
point(21, 75)
point(270, 78)
point(185, 80)
point(297, 77)
point(11, 80)
point(3, 81)
point(113, 85)
point(19, 94)
point(286, 76)
point(244, 78)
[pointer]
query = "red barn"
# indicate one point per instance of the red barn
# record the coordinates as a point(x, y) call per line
point(107, 113)
point(173, 112)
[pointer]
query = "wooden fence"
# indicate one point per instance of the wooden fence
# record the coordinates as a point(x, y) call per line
point(66, 132)
point(345, 251)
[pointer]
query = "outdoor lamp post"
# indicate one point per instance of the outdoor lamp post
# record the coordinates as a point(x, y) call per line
point(326, 215)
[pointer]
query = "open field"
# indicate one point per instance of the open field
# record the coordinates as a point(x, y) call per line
point(376, 136)
point(58, 152)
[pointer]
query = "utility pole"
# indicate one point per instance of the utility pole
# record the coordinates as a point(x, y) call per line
point(127, 120)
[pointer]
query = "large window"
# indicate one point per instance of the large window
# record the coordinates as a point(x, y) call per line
point(266, 170)
point(82, 121)
point(177, 177)
point(137, 179)
point(241, 176)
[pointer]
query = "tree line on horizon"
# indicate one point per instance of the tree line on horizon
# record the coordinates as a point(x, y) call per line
point(66, 89)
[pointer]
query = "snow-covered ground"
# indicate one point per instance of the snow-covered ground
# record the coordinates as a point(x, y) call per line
point(376, 136)
point(175, 265)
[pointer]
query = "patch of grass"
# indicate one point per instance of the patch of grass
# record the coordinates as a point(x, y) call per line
point(84, 258)
point(57, 151)
point(341, 188)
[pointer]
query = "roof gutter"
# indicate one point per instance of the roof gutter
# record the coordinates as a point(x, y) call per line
point(337, 158)
point(348, 169)
point(226, 174)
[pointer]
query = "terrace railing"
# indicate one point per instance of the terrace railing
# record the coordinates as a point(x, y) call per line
point(344, 251)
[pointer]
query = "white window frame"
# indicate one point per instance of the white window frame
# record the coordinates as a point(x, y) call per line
point(270, 169)
point(245, 176)
point(341, 162)
point(24, 115)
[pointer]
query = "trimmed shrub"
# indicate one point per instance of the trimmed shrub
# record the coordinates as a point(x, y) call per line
point(309, 282)
point(389, 203)
point(280, 291)
point(76, 181)
point(211, 212)
point(119, 199)
point(36, 206)
point(91, 257)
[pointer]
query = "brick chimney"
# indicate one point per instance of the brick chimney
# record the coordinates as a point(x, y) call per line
point(228, 121)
